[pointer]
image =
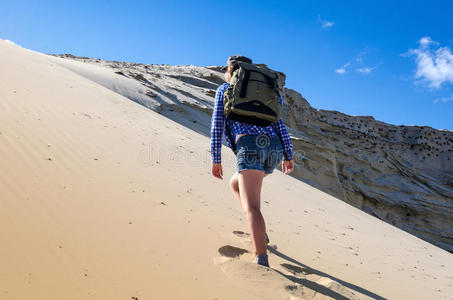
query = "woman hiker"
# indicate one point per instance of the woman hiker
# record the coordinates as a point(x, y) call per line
point(259, 150)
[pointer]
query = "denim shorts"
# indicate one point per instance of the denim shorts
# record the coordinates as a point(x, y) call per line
point(259, 152)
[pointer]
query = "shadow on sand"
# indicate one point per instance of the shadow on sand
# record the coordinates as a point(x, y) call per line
point(299, 267)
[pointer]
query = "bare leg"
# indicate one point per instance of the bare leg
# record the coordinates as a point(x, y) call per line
point(234, 186)
point(250, 183)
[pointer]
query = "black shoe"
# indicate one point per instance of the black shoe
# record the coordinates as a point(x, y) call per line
point(261, 259)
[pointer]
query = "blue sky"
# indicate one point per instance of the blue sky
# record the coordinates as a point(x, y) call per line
point(388, 59)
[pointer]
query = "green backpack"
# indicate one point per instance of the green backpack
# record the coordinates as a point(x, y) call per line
point(253, 96)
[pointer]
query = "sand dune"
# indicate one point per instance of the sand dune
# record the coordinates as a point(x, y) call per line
point(101, 198)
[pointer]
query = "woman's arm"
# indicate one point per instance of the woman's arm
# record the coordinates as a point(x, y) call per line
point(217, 126)
point(280, 129)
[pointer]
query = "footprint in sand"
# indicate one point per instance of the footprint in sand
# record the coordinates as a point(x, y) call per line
point(228, 253)
point(231, 251)
point(246, 238)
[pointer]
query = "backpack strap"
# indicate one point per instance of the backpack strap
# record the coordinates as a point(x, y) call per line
point(245, 82)
point(273, 84)
point(230, 136)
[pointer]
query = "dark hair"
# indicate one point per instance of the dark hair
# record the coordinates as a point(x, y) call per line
point(234, 59)
point(235, 66)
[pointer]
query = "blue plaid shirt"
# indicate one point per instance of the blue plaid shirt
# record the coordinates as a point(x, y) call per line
point(219, 123)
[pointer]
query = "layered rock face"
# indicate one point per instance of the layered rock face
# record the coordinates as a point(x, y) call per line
point(400, 174)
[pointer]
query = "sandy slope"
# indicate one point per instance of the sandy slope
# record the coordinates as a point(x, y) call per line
point(101, 198)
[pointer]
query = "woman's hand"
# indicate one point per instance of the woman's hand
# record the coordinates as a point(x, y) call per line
point(217, 170)
point(287, 166)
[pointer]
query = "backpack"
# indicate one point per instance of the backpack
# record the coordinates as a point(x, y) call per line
point(253, 96)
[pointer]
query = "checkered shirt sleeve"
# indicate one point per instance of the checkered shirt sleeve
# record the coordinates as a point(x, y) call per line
point(217, 126)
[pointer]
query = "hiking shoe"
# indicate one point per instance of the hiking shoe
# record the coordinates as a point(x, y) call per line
point(261, 259)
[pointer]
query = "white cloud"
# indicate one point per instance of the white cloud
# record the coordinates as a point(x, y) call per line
point(434, 66)
point(342, 70)
point(358, 63)
point(444, 99)
point(365, 70)
point(359, 57)
point(426, 41)
point(325, 23)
